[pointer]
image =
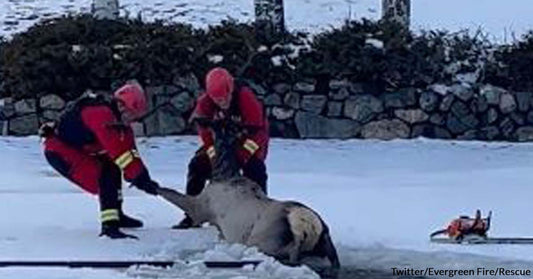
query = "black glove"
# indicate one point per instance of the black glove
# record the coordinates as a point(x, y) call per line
point(150, 187)
point(145, 183)
point(47, 129)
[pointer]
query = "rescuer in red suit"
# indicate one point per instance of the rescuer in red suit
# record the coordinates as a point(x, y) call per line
point(226, 99)
point(92, 145)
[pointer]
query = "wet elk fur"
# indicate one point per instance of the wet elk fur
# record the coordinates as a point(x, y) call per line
point(286, 230)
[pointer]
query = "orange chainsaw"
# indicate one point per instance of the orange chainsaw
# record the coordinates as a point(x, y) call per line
point(466, 226)
point(468, 230)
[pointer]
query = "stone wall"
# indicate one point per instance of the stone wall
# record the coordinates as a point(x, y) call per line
point(481, 112)
point(342, 110)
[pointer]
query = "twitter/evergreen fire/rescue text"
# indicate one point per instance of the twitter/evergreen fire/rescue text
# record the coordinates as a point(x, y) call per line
point(480, 271)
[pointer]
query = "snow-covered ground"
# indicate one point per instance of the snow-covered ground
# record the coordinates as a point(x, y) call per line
point(380, 199)
point(503, 20)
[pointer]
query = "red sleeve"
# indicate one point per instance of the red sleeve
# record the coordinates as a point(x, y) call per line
point(205, 108)
point(251, 109)
point(253, 119)
point(119, 142)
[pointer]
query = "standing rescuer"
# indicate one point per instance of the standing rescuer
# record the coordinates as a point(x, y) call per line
point(92, 144)
point(225, 99)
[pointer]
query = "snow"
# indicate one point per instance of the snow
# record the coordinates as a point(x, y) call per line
point(374, 42)
point(380, 209)
point(440, 88)
point(277, 60)
point(503, 20)
point(215, 59)
point(380, 199)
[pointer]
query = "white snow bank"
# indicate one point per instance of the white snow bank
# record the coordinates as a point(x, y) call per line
point(194, 268)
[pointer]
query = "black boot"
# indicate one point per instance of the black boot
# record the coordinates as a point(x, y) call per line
point(255, 169)
point(126, 221)
point(185, 223)
point(198, 174)
point(111, 230)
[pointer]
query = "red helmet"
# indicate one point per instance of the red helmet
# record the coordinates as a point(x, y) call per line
point(219, 86)
point(133, 99)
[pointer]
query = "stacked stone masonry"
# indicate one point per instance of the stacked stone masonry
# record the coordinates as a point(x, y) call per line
point(344, 110)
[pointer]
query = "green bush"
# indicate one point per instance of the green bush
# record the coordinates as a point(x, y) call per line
point(242, 53)
point(344, 52)
point(404, 60)
point(67, 55)
point(515, 68)
point(2, 46)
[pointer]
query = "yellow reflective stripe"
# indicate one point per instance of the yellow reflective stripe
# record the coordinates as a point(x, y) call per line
point(109, 215)
point(251, 146)
point(211, 152)
point(124, 160)
point(135, 153)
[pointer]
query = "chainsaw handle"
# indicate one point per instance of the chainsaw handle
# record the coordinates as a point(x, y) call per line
point(489, 217)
